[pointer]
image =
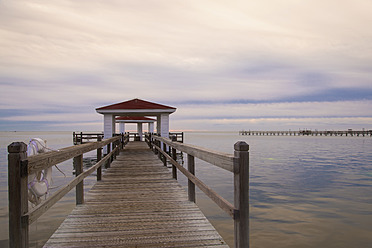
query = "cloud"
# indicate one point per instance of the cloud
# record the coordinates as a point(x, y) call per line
point(274, 124)
point(275, 58)
point(277, 110)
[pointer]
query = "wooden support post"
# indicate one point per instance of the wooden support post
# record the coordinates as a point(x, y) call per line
point(174, 156)
point(108, 152)
point(159, 145)
point(18, 195)
point(241, 194)
point(99, 157)
point(114, 145)
point(154, 142)
point(78, 162)
point(191, 185)
point(164, 158)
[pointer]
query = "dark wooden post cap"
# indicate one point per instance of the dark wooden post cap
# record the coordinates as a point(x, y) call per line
point(241, 146)
point(17, 147)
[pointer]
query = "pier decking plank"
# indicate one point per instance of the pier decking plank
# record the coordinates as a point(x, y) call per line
point(137, 204)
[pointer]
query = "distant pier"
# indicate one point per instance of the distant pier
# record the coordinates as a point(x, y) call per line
point(362, 133)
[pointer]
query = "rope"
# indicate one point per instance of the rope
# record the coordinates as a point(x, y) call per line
point(33, 141)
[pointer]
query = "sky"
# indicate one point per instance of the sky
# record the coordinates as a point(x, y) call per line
point(225, 65)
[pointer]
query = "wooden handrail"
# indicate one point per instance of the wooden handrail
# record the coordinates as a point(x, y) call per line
point(219, 200)
point(19, 167)
point(45, 160)
point(36, 212)
point(222, 160)
point(238, 164)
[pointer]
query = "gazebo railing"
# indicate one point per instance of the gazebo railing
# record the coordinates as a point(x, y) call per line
point(81, 138)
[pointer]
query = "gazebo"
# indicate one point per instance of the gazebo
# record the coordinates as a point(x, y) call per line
point(139, 120)
point(136, 108)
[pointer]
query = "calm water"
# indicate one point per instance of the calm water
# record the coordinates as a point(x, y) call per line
point(305, 191)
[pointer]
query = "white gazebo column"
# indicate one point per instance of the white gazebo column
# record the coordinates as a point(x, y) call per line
point(122, 127)
point(139, 130)
point(164, 125)
point(158, 124)
point(108, 128)
point(151, 127)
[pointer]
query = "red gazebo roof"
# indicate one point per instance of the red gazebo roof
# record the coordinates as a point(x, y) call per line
point(135, 104)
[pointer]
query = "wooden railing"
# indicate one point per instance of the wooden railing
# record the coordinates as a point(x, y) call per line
point(20, 166)
point(85, 137)
point(81, 138)
point(238, 164)
point(179, 136)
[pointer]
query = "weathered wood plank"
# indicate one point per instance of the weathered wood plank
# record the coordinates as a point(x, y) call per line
point(241, 194)
point(204, 243)
point(136, 204)
point(18, 195)
point(190, 184)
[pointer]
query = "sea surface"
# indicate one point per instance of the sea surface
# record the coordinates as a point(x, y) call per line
point(305, 191)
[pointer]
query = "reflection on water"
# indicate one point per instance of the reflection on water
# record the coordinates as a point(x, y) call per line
point(304, 191)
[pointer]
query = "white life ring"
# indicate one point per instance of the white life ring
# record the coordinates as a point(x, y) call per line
point(38, 183)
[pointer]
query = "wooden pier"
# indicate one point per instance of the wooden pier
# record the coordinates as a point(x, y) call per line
point(137, 202)
point(362, 133)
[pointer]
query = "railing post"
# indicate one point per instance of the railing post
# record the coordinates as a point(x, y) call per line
point(107, 165)
point(164, 158)
point(114, 145)
point(156, 150)
point(174, 156)
point(155, 143)
point(150, 140)
point(99, 157)
point(241, 194)
point(18, 195)
point(78, 162)
point(191, 185)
